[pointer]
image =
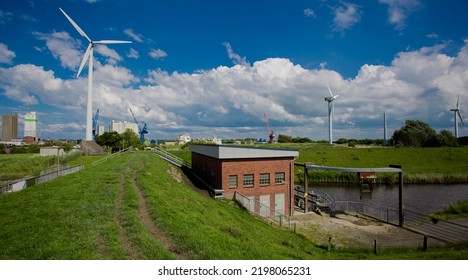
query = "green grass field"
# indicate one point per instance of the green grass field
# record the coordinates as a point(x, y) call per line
point(131, 207)
point(420, 165)
point(17, 166)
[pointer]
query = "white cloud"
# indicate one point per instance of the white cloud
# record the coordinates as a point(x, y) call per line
point(133, 53)
point(310, 13)
point(60, 127)
point(29, 18)
point(131, 33)
point(112, 56)
point(5, 16)
point(236, 59)
point(28, 84)
point(157, 53)
point(345, 16)
point(6, 55)
point(63, 47)
point(230, 101)
point(399, 10)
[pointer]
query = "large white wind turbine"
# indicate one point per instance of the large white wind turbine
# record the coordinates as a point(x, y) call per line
point(89, 56)
point(331, 109)
point(456, 111)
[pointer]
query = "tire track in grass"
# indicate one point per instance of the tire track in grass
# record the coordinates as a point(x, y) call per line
point(150, 225)
point(127, 244)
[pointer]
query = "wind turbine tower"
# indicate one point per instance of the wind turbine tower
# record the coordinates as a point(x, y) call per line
point(385, 129)
point(456, 111)
point(331, 109)
point(88, 56)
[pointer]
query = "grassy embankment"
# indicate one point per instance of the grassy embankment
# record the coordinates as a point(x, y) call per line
point(97, 214)
point(18, 166)
point(420, 165)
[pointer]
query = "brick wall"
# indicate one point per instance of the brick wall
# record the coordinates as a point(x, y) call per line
point(216, 172)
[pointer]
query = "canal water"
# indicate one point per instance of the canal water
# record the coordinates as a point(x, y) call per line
point(423, 199)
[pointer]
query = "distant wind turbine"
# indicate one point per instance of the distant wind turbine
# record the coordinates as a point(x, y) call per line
point(331, 109)
point(456, 111)
point(88, 56)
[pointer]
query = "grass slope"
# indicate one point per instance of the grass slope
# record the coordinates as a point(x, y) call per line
point(420, 165)
point(18, 166)
point(97, 214)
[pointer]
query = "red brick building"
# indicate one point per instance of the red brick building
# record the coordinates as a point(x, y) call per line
point(262, 176)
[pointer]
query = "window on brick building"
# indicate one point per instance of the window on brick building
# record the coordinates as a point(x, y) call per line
point(248, 180)
point(279, 178)
point(232, 181)
point(265, 179)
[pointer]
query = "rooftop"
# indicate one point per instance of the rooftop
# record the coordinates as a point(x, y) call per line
point(242, 152)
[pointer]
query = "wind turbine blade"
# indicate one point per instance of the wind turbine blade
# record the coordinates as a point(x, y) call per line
point(85, 58)
point(329, 90)
point(458, 99)
point(105, 42)
point(335, 97)
point(461, 118)
point(76, 26)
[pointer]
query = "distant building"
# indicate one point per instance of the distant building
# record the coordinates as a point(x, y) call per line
point(100, 130)
point(30, 126)
point(263, 177)
point(184, 138)
point(120, 127)
point(9, 127)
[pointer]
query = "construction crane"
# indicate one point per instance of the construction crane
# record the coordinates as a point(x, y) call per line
point(142, 130)
point(95, 119)
point(271, 133)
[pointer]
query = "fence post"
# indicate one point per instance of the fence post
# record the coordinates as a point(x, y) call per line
point(425, 243)
point(329, 243)
point(400, 195)
point(375, 247)
point(306, 188)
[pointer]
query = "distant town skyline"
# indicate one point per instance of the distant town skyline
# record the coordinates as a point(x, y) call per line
point(214, 68)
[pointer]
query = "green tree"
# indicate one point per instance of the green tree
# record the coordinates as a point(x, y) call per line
point(129, 139)
point(447, 139)
point(284, 138)
point(110, 140)
point(415, 134)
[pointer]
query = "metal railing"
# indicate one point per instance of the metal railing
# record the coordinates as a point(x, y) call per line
point(172, 158)
point(112, 155)
point(383, 214)
point(261, 210)
point(58, 173)
point(25, 183)
point(187, 167)
point(448, 231)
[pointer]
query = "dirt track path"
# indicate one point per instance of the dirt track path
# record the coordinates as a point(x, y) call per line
point(151, 226)
point(144, 217)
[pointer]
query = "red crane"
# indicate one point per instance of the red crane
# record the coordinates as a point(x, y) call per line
point(271, 133)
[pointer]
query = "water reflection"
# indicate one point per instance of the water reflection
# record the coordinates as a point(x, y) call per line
point(423, 199)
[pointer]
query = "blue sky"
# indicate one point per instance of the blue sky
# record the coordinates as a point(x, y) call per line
point(215, 67)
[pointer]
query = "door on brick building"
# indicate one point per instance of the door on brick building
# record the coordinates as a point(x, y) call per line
point(265, 205)
point(279, 204)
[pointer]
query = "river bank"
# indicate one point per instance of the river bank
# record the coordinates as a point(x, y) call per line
point(383, 178)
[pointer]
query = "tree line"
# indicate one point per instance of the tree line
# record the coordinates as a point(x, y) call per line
point(113, 141)
point(414, 133)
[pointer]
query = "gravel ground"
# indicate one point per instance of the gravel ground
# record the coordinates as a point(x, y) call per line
point(352, 230)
